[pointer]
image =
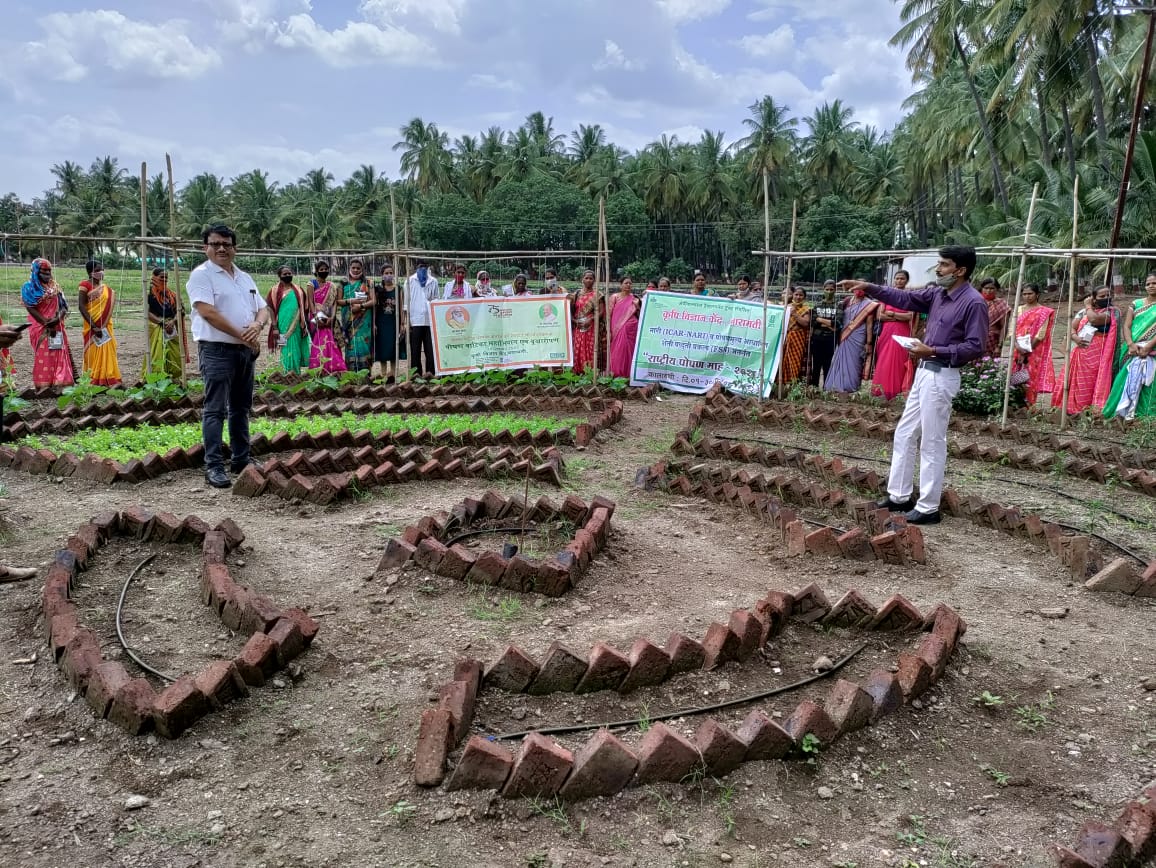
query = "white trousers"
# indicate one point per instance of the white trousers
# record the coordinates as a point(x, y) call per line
point(925, 418)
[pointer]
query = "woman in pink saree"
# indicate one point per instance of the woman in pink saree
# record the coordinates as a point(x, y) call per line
point(1034, 323)
point(1092, 356)
point(52, 358)
point(624, 309)
point(324, 352)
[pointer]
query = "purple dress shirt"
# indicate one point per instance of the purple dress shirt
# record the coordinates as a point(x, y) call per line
point(957, 321)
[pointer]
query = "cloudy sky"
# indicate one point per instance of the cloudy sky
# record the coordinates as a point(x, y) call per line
point(289, 85)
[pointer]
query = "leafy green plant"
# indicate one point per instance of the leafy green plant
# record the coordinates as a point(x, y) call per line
point(1000, 778)
point(1031, 717)
point(811, 747)
point(81, 393)
point(402, 811)
point(981, 387)
point(988, 700)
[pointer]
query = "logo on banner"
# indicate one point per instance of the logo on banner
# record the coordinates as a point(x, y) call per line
point(457, 318)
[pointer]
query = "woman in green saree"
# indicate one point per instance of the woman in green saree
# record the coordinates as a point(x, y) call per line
point(356, 303)
point(1133, 390)
point(290, 315)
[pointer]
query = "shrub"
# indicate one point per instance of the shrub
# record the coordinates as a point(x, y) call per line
point(981, 388)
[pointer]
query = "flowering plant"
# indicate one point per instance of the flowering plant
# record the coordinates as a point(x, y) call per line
point(981, 388)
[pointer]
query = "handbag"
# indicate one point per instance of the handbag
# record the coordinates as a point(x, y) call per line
point(1020, 376)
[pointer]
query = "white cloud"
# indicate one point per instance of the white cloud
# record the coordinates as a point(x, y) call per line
point(681, 11)
point(443, 16)
point(493, 82)
point(78, 44)
point(251, 23)
point(358, 43)
point(613, 57)
point(776, 44)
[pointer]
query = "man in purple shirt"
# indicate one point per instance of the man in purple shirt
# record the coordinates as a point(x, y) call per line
point(956, 331)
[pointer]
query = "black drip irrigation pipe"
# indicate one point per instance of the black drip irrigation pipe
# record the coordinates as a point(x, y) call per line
point(120, 631)
point(1091, 533)
point(686, 712)
point(487, 530)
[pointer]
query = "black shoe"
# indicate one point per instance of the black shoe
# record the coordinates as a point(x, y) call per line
point(237, 468)
point(895, 505)
point(217, 478)
point(917, 517)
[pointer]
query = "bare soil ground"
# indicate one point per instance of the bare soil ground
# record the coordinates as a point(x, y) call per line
point(316, 769)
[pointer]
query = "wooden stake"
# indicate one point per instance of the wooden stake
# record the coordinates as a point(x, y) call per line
point(1071, 300)
point(786, 313)
point(766, 234)
point(176, 277)
point(1016, 306)
point(144, 231)
point(601, 270)
point(397, 284)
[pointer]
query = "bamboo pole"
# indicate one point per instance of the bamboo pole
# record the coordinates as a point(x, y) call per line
point(766, 238)
point(397, 318)
point(144, 231)
point(786, 313)
point(1071, 299)
point(1016, 306)
point(599, 293)
point(177, 277)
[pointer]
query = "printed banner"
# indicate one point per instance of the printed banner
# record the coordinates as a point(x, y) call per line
point(488, 333)
point(687, 343)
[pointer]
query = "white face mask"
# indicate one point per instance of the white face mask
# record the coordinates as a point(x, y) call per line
point(946, 280)
point(552, 283)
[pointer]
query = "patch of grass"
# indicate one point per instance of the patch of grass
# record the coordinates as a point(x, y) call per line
point(644, 718)
point(916, 835)
point(1000, 778)
point(663, 805)
point(726, 807)
point(402, 811)
point(505, 609)
point(551, 809)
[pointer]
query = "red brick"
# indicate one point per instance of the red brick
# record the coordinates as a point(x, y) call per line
point(686, 655)
point(286, 635)
point(561, 671)
point(513, 672)
point(520, 575)
point(765, 739)
point(397, 553)
point(193, 530)
point(722, 751)
point(166, 527)
point(259, 615)
point(90, 535)
point(810, 604)
point(63, 627)
point(456, 563)
point(217, 586)
point(887, 548)
point(1147, 582)
point(782, 603)
point(850, 610)
point(81, 656)
point(484, 765)
point(750, 631)
point(306, 624)
point(854, 545)
point(600, 502)
point(934, 651)
point(488, 569)
point(885, 692)
point(458, 698)
point(103, 684)
point(665, 755)
point(606, 670)
point(1117, 576)
point(810, 718)
point(823, 542)
point(132, 707)
point(249, 483)
point(897, 613)
point(429, 554)
point(233, 610)
point(1065, 858)
point(434, 739)
point(914, 675)
point(136, 521)
point(214, 548)
point(178, 707)
point(257, 660)
point(649, 665)
point(913, 542)
point(539, 770)
point(1103, 846)
point(221, 683)
point(574, 510)
point(720, 645)
point(413, 535)
point(849, 706)
point(602, 767)
point(948, 626)
point(796, 538)
point(470, 671)
point(551, 579)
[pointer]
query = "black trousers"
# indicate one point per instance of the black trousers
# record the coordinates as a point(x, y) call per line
point(822, 348)
point(227, 371)
point(421, 341)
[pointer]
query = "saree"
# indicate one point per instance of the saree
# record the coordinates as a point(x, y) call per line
point(584, 332)
point(997, 311)
point(100, 362)
point(847, 364)
point(50, 367)
point(1091, 368)
point(289, 311)
point(358, 329)
point(1037, 323)
point(166, 354)
point(795, 347)
point(1143, 401)
point(623, 334)
point(324, 352)
point(7, 368)
point(892, 364)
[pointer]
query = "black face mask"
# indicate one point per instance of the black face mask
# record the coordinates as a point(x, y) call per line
point(322, 275)
point(286, 278)
point(1102, 303)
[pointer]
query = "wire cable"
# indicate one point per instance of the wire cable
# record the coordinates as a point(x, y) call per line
point(120, 630)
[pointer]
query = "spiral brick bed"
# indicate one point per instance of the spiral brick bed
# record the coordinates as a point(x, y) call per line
point(426, 544)
point(542, 768)
point(276, 636)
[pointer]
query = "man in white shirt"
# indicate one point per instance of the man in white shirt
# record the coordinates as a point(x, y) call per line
point(229, 315)
point(421, 288)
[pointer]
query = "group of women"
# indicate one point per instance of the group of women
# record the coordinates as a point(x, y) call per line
point(588, 321)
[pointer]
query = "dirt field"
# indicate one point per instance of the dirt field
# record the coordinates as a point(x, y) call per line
point(316, 769)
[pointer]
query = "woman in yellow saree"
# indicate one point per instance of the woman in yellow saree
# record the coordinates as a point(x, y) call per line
point(97, 301)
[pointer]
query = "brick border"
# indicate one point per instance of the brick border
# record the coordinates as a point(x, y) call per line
point(425, 544)
point(276, 636)
point(605, 765)
point(1130, 842)
point(328, 475)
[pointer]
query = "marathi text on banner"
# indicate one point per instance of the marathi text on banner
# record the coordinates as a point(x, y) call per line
point(687, 343)
point(493, 333)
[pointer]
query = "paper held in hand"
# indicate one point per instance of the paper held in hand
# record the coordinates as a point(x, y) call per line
point(103, 338)
point(1087, 332)
point(905, 342)
point(1024, 343)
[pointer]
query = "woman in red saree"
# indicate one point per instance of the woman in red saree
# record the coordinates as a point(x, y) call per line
point(584, 325)
point(1034, 323)
point(997, 314)
point(1094, 334)
point(798, 334)
point(893, 368)
point(97, 301)
point(324, 351)
point(624, 309)
point(52, 357)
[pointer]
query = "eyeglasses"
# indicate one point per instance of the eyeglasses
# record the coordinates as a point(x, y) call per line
point(220, 245)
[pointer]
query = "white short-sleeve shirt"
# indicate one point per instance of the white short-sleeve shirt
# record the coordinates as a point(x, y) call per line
point(418, 297)
point(234, 295)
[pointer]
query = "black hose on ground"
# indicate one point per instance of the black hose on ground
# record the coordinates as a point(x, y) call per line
point(120, 631)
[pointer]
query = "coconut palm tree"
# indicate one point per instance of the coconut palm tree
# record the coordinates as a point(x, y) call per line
point(769, 144)
point(828, 149)
point(425, 156)
point(201, 202)
point(255, 207)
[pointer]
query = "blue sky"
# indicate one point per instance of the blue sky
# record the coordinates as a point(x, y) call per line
point(289, 85)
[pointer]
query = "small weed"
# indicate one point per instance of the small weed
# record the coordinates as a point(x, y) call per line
point(644, 718)
point(1000, 778)
point(1031, 718)
point(402, 811)
point(801, 843)
point(878, 770)
point(726, 798)
point(506, 609)
point(811, 747)
point(391, 752)
point(551, 809)
point(917, 834)
point(663, 805)
point(538, 860)
point(988, 700)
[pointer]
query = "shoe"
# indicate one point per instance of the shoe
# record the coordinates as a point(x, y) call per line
point(237, 468)
point(917, 517)
point(217, 478)
point(895, 505)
